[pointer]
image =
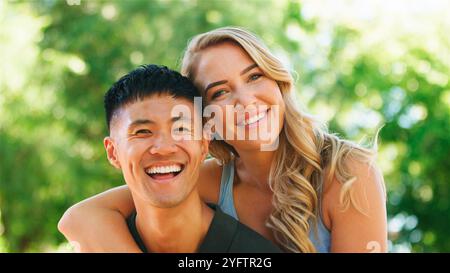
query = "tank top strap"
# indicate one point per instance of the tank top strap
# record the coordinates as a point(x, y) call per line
point(226, 200)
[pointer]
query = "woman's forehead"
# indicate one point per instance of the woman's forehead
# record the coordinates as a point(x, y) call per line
point(220, 60)
point(224, 52)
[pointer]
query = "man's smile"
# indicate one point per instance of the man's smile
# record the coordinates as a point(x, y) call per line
point(164, 172)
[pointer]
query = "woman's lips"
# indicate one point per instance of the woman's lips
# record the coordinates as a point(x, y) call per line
point(253, 120)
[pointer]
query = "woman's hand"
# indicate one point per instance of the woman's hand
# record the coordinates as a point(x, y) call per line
point(98, 224)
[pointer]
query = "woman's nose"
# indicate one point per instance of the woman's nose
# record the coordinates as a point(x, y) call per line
point(244, 97)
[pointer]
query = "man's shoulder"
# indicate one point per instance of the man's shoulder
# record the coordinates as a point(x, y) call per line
point(243, 238)
point(248, 240)
point(131, 222)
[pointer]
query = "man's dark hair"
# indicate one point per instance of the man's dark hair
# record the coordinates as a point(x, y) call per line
point(145, 81)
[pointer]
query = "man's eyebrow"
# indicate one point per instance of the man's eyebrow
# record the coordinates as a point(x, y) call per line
point(180, 118)
point(140, 122)
point(250, 67)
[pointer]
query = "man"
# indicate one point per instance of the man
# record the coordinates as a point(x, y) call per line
point(160, 158)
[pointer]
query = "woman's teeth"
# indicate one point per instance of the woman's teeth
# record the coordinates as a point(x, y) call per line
point(253, 119)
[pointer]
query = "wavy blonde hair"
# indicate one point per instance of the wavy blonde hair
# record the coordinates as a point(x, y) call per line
point(305, 150)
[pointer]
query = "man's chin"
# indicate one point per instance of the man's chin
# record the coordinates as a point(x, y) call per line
point(162, 198)
point(167, 203)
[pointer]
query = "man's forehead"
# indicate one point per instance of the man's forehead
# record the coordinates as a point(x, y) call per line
point(161, 108)
point(161, 100)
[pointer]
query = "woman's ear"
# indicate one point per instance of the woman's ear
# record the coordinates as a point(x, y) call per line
point(111, 152)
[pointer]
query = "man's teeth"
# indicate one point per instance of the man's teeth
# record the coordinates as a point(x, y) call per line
point(254, 119)
point(164, 169)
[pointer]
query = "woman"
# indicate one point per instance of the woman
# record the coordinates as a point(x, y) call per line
point(314, 193)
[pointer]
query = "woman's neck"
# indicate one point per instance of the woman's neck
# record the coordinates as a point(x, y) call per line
point(253, 167)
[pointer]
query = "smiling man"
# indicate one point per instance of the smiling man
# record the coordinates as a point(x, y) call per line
point(160, 158)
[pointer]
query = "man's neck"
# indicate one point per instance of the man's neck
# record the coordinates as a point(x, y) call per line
point(177, 229)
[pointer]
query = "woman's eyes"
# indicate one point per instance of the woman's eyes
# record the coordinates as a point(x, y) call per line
point(218, 94)
point(254, 77)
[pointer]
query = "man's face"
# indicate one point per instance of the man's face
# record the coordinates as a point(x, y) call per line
point(145, 144)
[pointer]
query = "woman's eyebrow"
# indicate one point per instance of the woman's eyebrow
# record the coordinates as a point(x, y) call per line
point(211, 85)
point(250, 67)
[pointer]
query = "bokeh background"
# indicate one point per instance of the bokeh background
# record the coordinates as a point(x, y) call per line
point(358, 65)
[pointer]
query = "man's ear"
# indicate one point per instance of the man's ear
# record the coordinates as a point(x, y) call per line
point(111, 152)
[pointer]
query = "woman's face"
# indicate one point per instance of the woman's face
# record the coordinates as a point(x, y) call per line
point(231, 81)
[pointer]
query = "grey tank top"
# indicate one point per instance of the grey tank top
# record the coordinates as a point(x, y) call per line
point(226, 203)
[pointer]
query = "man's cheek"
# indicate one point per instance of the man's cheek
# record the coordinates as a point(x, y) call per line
point(135, 152)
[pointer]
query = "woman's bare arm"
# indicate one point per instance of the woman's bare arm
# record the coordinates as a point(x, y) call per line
point(351, 230)
point(98, 224)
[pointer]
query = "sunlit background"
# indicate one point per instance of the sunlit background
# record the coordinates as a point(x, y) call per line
point(358, 65)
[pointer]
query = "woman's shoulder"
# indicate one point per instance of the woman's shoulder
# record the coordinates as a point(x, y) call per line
point(358, 195)
point(356, 209)
point(209, 180)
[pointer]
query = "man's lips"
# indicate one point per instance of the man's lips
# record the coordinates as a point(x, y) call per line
point(164, 172)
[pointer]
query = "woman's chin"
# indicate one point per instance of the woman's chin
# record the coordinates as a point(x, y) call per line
point(257, 145)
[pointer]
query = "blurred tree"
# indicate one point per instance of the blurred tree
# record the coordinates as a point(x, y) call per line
point(59, 59)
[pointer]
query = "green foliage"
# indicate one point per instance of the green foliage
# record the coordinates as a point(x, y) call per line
point(59, 59)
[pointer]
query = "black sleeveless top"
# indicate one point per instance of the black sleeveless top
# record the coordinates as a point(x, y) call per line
point(225, 235)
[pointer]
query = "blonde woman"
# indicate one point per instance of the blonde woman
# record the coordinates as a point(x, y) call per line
point(314, 193)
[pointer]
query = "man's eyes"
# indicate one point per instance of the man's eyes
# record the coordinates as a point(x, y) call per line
point(182, 130)
point(142, 132)
point(147, 132)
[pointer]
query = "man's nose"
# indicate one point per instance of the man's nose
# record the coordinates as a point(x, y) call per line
point(163, 145)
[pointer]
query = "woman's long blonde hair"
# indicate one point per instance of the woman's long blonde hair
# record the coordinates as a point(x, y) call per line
point(305, 150)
